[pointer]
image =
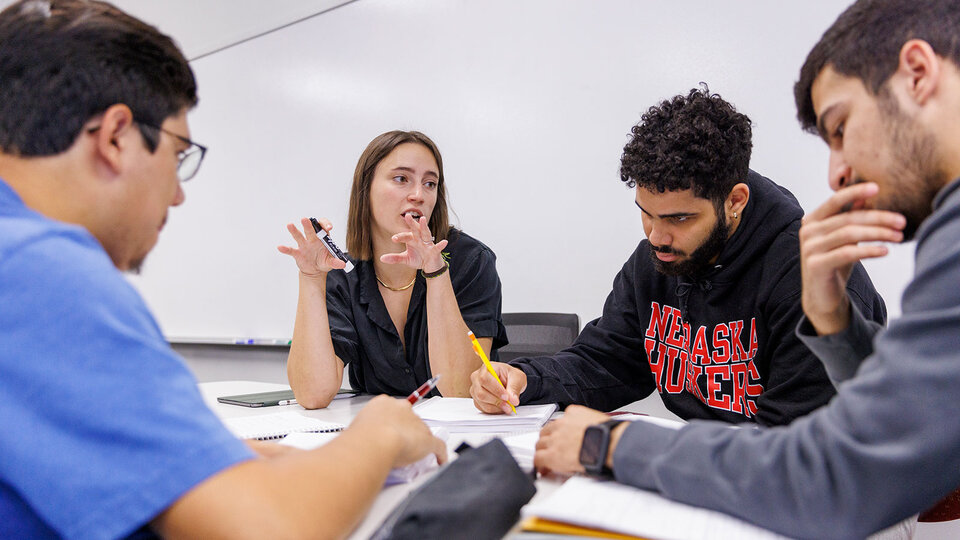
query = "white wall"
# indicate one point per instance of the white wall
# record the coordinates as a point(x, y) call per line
point(530, 102)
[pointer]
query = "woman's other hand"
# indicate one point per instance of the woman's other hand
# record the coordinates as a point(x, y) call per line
point(421, 252)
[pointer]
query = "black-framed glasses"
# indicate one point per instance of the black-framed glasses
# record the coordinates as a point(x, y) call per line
point(188, 160)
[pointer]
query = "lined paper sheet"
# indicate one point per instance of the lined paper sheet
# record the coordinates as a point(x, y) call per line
point(618, 508)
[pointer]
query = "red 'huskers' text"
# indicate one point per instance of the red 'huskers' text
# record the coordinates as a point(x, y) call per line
point(714, 364)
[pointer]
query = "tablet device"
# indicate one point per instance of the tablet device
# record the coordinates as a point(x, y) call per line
point(276, 397)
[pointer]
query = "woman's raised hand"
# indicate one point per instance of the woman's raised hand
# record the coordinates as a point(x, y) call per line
point(311, 255)
point(421, 252)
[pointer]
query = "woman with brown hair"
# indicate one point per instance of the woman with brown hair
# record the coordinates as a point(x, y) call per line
point(402, 315)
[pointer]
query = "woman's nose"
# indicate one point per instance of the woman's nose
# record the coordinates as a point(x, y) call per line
point(416, 193)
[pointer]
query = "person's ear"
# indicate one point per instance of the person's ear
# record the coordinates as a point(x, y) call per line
point(114, 135)
point(737, 201)
point(920, 69)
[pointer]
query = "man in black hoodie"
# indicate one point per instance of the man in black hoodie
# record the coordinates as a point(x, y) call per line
point(705, 309)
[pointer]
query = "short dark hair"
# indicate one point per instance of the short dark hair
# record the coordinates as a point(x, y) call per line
point(696, 141)
point(62, 62)
point(866, 39)
point(359, 226)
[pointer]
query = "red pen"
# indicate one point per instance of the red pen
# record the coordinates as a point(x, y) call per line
point(424, 389)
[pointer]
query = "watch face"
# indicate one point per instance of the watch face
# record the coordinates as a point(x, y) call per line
point(591, 449)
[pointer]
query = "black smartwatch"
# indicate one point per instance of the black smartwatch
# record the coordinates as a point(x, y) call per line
point(593, 449)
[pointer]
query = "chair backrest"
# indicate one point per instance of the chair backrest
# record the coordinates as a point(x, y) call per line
point(537, 334)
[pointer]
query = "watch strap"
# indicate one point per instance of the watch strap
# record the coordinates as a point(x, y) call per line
point(596, 465)
point(611, 424)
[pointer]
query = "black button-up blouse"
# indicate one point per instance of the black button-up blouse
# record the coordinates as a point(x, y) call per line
point(366, 339)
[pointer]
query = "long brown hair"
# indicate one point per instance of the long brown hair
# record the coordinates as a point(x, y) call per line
point(359, 239)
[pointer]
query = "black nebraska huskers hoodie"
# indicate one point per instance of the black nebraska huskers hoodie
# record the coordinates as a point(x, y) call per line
point(720, 345)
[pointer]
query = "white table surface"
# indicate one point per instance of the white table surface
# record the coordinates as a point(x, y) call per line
point(343, 411)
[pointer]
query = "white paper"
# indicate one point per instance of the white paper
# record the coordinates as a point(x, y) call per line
point(460, 415)
point(663, 422)
point(522, 446)
point(399, 475)
point(614, 507)
point(307, 441)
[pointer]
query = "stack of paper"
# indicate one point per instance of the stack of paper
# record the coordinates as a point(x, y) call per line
point(277, 425)
point(459, 415)
point(582, 505)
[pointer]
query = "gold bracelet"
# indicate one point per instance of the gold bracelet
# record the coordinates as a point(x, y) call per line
point(435, 273)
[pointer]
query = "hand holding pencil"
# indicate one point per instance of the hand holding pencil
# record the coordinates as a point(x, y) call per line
point(486, 399)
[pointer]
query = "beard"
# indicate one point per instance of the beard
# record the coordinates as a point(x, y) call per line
point(136, 266)
point(701, 257)
point(914, 178)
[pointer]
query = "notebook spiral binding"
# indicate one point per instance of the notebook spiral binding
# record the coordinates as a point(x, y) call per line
point(278, 425)
point(280, 435)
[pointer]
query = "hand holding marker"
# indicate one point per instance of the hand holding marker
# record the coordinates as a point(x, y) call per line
point(330, 245)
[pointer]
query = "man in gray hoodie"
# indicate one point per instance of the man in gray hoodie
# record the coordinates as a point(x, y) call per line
point(882, 88)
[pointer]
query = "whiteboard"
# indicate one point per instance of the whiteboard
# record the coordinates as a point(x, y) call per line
point(201, 27)
point(530, 103)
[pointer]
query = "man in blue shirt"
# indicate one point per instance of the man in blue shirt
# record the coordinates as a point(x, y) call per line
point(105, 432)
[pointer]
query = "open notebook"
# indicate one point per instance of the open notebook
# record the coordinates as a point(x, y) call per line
point(459, 415)
point(589, 507)
point(277, 425)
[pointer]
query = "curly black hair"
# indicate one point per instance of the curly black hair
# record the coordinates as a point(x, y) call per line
point(696, 141)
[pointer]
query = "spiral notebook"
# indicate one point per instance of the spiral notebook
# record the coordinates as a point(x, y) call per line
point(278, 425)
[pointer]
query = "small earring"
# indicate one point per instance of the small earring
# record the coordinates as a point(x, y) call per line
point(734, 215)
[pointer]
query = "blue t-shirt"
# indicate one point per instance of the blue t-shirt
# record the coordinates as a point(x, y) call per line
point(102, 423)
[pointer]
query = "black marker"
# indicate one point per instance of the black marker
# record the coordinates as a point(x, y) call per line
point(328, 243)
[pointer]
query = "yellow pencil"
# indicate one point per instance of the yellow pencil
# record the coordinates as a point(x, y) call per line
point(486, 361)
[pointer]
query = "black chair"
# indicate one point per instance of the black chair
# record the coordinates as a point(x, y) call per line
point(537, 334)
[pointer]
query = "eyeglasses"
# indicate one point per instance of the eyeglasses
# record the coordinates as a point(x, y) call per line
point(188, 160)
